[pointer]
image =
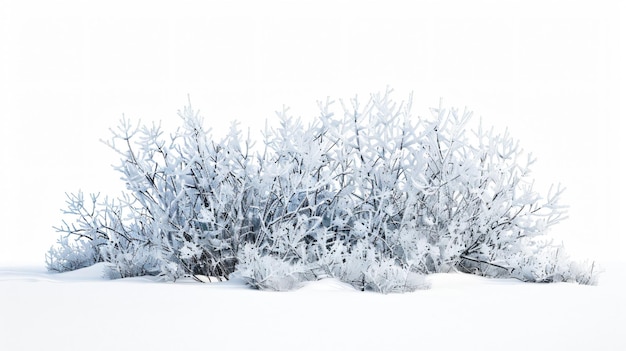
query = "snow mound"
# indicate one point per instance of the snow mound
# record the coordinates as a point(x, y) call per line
point(94, 272)
point(326, 284)
point(40, 274)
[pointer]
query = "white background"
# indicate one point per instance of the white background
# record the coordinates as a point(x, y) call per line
point(552, 72)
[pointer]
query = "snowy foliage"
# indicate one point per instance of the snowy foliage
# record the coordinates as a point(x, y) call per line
point(271, 272)
point(370, 196)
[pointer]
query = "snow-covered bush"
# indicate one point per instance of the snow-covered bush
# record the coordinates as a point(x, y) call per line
point(184, 210)
point(386, 276)
point(478, 207)
point(270, 272)
point(71, 254)
point(80, 246)
point(371, 196)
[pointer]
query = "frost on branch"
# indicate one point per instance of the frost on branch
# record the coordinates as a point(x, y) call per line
point(369, 195)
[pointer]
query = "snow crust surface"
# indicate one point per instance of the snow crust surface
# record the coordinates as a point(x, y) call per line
point(82, 310)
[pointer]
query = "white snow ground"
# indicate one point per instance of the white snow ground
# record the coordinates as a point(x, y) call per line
point(82, 311)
